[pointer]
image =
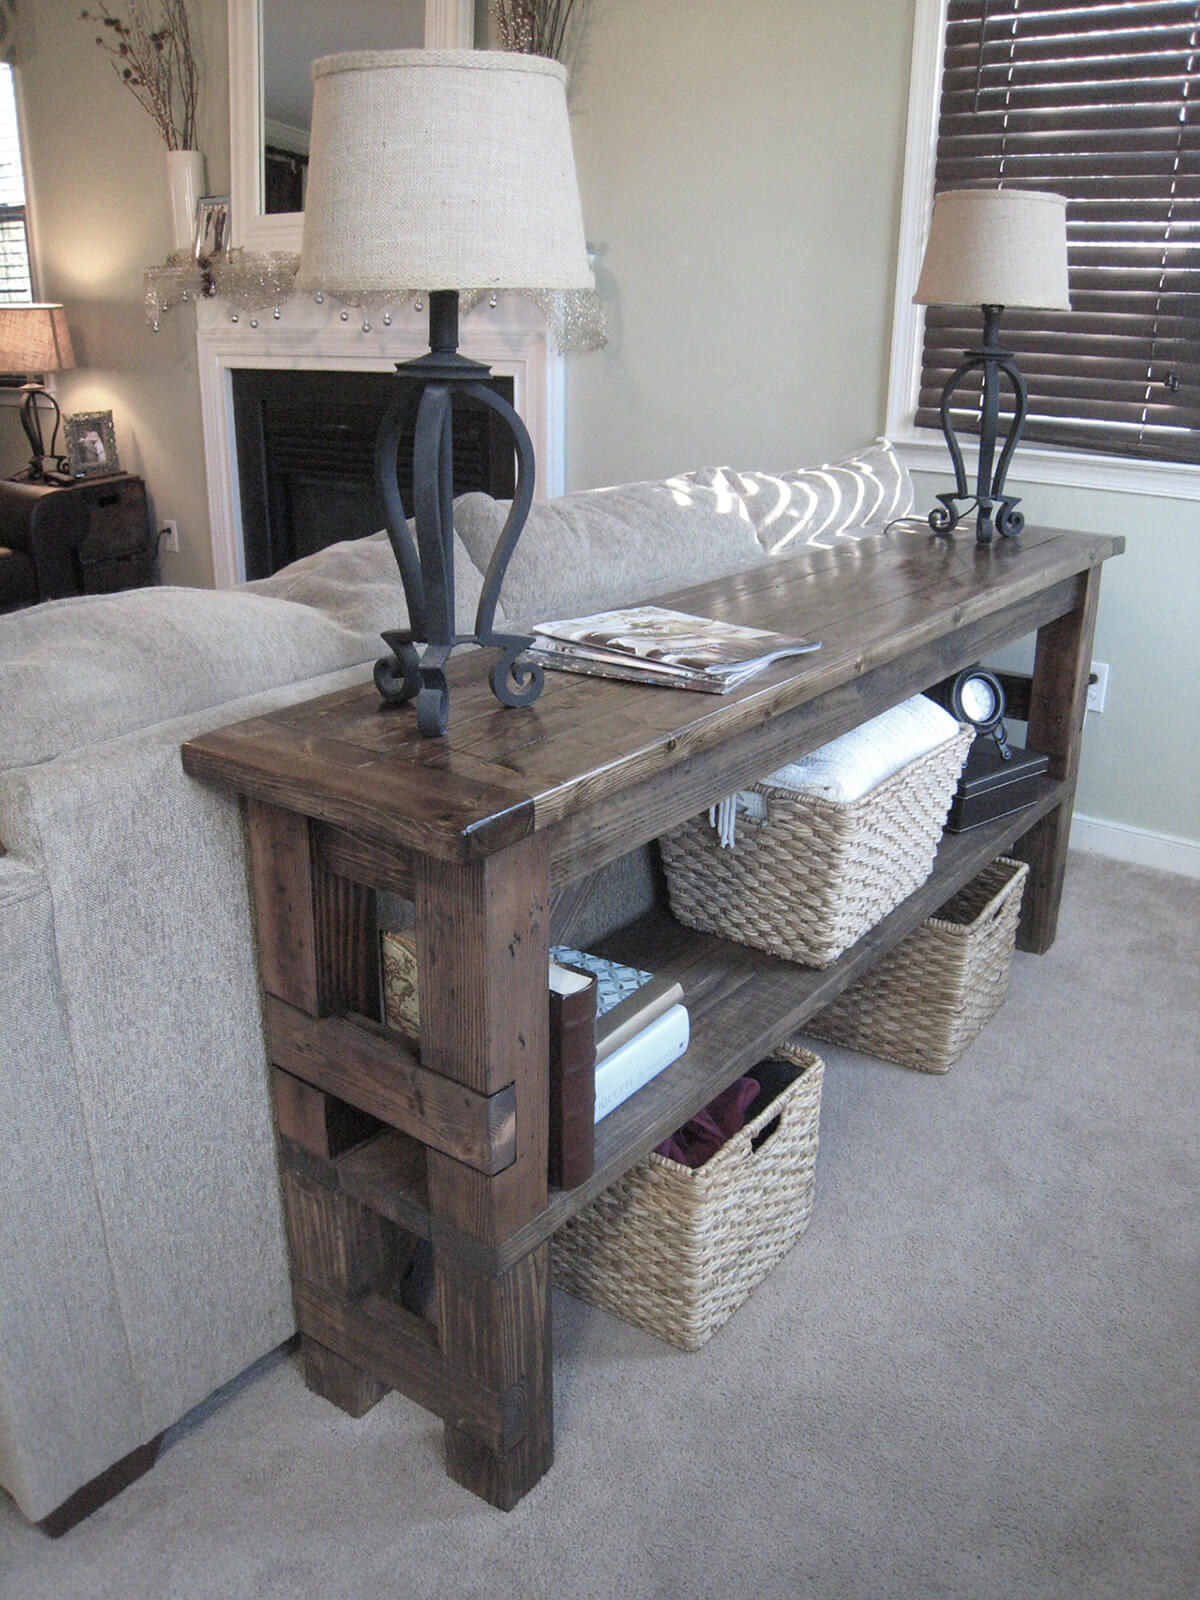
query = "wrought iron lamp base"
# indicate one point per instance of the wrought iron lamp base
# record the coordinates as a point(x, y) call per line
point(995, 511)
point(31, 422)
point(427, 566)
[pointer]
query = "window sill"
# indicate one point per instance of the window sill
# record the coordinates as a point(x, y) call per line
point(924, 451)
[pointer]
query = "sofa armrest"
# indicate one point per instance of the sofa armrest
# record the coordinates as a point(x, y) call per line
point(54, 546)
point(69, 1397)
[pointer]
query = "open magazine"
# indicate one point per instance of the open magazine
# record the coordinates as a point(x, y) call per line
point(650, 644)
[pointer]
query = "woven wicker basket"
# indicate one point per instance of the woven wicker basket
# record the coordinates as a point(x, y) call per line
point(816, 874)
point(674, 1249)
point(924, 1002)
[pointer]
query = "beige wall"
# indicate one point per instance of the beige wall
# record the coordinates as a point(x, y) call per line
point(740, 168)
point(98, 184)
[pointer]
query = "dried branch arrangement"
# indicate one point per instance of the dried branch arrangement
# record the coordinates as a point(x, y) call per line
point(535, 27)
point(152, 56)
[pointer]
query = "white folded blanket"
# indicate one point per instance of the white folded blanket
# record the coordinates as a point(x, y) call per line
point(851, 766)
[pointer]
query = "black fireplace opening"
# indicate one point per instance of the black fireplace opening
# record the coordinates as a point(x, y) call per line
point(306, 458)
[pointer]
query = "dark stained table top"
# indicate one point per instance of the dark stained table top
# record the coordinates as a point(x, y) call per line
point(890, 611)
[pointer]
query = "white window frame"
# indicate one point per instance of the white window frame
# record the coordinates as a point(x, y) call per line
point(924, 449)
point(10, 396)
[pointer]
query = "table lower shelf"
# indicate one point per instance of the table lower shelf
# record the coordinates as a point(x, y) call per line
point(742, 1004)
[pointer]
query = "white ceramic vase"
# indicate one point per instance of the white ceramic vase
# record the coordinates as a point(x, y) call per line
point(185, 185)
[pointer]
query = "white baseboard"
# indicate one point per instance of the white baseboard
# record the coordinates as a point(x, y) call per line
point(1144, 849)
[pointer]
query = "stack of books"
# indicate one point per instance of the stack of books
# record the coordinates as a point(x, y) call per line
point(642, 1024)
point(613, 1027)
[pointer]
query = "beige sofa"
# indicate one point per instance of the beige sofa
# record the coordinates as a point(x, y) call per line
point(142, 1252)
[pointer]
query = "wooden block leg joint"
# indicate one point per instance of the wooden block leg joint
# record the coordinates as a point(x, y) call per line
point(484, 1024)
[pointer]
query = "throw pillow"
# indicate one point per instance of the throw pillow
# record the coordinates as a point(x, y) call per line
point(842, 500)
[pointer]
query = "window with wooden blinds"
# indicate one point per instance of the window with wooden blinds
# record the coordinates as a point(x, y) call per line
point(1099, 102)
point(15, 284)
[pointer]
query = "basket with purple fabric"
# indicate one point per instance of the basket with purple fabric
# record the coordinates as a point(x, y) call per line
point(674, 1248)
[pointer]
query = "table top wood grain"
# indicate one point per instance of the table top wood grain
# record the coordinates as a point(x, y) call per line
point(888, 610)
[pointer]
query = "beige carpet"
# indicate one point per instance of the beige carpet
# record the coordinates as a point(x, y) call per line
point(977, 1376)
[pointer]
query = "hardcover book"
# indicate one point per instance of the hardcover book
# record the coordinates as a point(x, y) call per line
point(652, 644)
point(627, 998)
point(641, 1058)
point(400, 1005)
point(572, 1147)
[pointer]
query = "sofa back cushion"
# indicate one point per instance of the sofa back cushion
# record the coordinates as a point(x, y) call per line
point(74, 673)
point(842, 500)
point(357, 585)
point(598, 548)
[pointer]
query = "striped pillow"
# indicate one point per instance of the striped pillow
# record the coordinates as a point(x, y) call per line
point(843, 500)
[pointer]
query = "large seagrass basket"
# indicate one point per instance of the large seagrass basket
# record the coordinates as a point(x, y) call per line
point(816, 874)
point(674, 1249)
point(923, 1003)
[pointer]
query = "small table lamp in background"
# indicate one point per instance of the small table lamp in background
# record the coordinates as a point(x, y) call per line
point(435, 171)
point(35, 339)
point(992, 248)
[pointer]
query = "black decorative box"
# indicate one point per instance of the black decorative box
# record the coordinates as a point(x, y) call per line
point(991, 787)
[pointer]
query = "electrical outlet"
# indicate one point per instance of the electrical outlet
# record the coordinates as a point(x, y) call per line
point(1097, 686)
point(169, 535)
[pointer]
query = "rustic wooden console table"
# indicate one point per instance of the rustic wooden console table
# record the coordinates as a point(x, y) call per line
point(483, 830)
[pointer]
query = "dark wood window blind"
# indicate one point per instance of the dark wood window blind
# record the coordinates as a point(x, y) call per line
point(1098, 101)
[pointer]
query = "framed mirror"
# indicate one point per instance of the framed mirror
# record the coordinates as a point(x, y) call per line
point(271, 46)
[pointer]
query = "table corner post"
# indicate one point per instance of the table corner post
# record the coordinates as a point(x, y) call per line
point(483, 938)
point(1057, 705)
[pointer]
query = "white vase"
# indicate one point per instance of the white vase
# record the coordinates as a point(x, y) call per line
point(185, 185)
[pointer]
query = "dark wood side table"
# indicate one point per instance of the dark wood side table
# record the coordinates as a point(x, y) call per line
point(483, 830)
point(86, 537)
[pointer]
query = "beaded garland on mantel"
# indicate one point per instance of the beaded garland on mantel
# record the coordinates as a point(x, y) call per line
point(252, 281)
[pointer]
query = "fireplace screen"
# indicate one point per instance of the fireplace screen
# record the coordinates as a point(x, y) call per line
point(306, 458)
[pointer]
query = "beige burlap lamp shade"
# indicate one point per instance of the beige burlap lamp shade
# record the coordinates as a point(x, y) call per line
point(35, 338)
point(441, 169)
point(996, 247)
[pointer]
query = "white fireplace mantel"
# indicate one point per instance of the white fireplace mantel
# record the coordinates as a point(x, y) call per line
point(511, 338)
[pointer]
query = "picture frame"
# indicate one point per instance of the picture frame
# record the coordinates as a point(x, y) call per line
point(212, 226)
point(91, 444)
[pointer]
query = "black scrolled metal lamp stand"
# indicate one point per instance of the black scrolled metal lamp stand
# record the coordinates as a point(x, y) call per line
point(427, 567)
point(31, 421)
point(996, 510)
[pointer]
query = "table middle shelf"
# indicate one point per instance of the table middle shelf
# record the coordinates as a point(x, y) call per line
point(742, 1004)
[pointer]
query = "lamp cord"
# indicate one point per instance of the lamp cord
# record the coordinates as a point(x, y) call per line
point(983, 22)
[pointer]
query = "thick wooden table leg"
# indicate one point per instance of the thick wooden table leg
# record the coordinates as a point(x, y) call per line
point(1058, 701)
point(497, 1329)
point(317, 951)
point(483, 934)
